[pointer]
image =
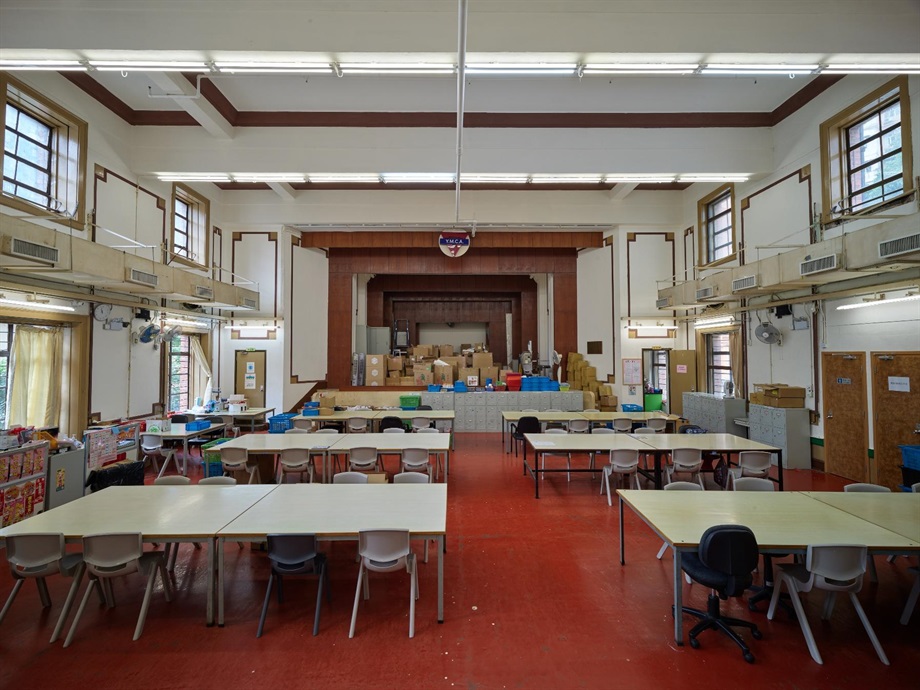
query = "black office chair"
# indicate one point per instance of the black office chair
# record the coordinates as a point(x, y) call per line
point(392, 423)
point(525, 425)
point(726, 557)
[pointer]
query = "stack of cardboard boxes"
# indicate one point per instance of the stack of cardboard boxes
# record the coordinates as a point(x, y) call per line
point(777, 395)
point(431, 364)
point(583, 377)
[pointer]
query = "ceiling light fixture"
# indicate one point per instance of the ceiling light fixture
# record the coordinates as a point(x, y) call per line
point(871, 69)
point(494, 178)
point(753, 70)
point(268, 177)
point(33, 302)
point(713, 178)
point(715, 322)
point(521, 69)
point(640, 179)
point(639, 68)
point(274, 67)
point(193, 177)
point(43, 65)
point(565, 179)
point(349, 178)
point(396, 68)
point(879, 300)
point(410, 178)
point(187, 322)
point(148, 66)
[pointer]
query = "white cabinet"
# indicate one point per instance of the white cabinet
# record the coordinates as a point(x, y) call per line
point(714, 413)
point(786, 428)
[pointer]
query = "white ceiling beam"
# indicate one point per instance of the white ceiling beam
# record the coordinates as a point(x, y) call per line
point(284, 190)
point(187, 98)
point(621, 190)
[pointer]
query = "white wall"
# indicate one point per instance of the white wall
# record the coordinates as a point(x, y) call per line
point(595, 307)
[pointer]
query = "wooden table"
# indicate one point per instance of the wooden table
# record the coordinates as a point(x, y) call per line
point(575, 443)
point(394, 443)
point(720, 443)
point(273, 444)
point(162, 514)
point(897, 512)
point(176, 434)
point(782, 522)
point(340, 511)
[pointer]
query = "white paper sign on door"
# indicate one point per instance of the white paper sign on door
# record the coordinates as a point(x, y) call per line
point(250, 367)
point(901, 384)
point(249, 382)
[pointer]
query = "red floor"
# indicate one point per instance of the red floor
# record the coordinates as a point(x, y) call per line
point(534, 598)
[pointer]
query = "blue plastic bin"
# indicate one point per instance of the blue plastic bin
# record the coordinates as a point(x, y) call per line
point(281, 422)
point(626, 407)
point(910, 456)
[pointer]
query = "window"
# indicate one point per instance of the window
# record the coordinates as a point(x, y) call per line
point(44, 150)
point(190, 227)
point(178, 379)
point(6, 341)
point(718, 361)
point(660, 372)
point(717, 236)
point(866, 159)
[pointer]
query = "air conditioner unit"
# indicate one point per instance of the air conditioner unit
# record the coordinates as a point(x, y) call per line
point(204, 292)
point(663, 303)
point(705, 293)
point(899, 246)
point(745, 283)
point(820, 265)
point(248, 303)
point(31, 251)
point(133, 275)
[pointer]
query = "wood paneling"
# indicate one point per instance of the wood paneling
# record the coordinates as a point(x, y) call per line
point(422, 239)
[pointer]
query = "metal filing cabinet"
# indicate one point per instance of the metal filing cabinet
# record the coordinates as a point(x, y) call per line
point(786, 428)
point(714, 413)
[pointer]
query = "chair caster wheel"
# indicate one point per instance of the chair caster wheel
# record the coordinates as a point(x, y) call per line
point(748, 657)
point(757, 634)
point(752, 606)
point(695, 643)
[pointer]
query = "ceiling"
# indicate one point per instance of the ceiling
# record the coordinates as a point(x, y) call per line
point(576, 32)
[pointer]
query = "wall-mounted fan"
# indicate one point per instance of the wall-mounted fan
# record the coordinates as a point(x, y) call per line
point(148, 333)
point(165, 336)
point(768, 334)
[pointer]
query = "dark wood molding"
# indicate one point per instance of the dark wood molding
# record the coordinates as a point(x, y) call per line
point(161, 118)
point(804, 96)
point(441, 187)
point(424, 239)
point(803, 175)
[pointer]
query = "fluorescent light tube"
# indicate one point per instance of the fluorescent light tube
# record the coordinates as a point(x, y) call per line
point(758, 69)
point(641, 179)
point(440, 178)
point(522, 69)
point(354, 178)
point(147, 66)
point(713, 178)
point(186, 322)
point(193, 177)
point(40, 306)
point(565, 179)
point(395, 68)
point(274, 67)
point(268, 177)
point(640, 68)
point(43, 65)
point(715, 322)
point(494, 178)
point(872, 302)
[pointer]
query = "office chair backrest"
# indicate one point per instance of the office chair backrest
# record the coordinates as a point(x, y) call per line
point(691, 429)
point(732, 550)
point(528, 425)
point(391, 423)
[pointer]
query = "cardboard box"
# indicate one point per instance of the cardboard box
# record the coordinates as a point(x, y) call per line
point(423, 374)
point(482, 360)
point(488, 373)
point(784, 402)
point(456, 362)
point(781, 390)
point(466, 372)
point(757, 398)
point(445, 351)
point(423, 351)
point(376, 477)
point(443, 373)
point(407, 380)
point(394, 363)
point(375, 370)
point(590, 373)
point(392, 381)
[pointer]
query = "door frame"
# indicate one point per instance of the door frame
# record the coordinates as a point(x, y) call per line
point(236, 356)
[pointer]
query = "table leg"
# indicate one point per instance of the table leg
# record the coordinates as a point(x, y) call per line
point(622, 542)
point(658, 455)
point(184, 456)
point(212, 573)
point(779, 468)
point(441, 579)
point(678, 599)
point(536, 474)
point(446, 464)
point(220, 582)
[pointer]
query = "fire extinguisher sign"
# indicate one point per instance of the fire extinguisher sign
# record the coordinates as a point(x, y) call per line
point(454, 243)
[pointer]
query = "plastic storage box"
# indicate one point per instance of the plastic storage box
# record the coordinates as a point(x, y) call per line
point(281, 423)
point(626, 407)
point(910, 457)
point(410, 402)
point(198, 425)
point(210, 455)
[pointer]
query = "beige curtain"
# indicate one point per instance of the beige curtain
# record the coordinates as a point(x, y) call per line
point(199, 372)
point(37, 360)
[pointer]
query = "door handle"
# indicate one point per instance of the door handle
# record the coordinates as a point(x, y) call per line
point(830, 415)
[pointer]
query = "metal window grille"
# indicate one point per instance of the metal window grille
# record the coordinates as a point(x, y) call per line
point(28, 158)
point(874, 158)
point(718, 361)
point(719, 235)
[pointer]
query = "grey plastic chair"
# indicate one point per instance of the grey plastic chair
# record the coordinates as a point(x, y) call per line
point(356, 425)
point(295, 554)
point(657, 425)
point(152, 448)
point(303, 424)
point(414, 478)
point(35, 557)
point(751, 463)
point(296, 461)
point(172, 480)
point(687, 461)
point(866, 488)
point(420, 423)
point(623, 462)
point(752, 484)
point(349, 478)
point(363, 458)
point(416, 460)
point(385, 551)
point(108, 556)
point(217, 481)
point(236, 460)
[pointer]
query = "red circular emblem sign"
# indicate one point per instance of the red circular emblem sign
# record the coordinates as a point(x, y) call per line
point(454, 243)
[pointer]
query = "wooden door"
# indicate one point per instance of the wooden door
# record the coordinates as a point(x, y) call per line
point(250, 376)
point(846, 427)
point(681, 378)
point(896, 411)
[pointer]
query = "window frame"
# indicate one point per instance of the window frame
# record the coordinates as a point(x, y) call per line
point(183, 355)
point(198, 227)
point(703, 206)
point(834, 161)
point(5, 378)
point(69, 153)
point(710, 353)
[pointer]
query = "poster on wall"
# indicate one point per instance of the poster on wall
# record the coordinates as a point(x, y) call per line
point(632, 372)
point(249, 382)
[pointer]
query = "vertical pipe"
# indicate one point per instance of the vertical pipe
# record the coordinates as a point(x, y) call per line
point(461, 93)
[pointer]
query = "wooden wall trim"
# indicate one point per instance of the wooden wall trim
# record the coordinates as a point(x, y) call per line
point(338, 239)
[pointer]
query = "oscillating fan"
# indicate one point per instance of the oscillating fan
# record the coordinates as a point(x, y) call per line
point(768, 334)
point(557, 361)
point(149, 333)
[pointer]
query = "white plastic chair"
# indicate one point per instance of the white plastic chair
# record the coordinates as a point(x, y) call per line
point(413, 478)
point(217, 481)
point(172, 480)
point(677, 486)
point(437, 456)
point(421, 423)
point(657, 425)
point(236, 460)
point(303, 424)
point(363, 458)
point(416, 460)
point(385, 551)
point(567, 456)
point(915, 488)
point(152, 447)
point(622, 425)
point(553, 425)
point(833, 568)
point(752, 484)
point(356, 425)
point(296, 461)
point(297, 430)
point(35, 557)
point(751, 463)
point(108, 556)
point(687, 461)
point(171, 551)
point(624, 463)
point(579, 426)
point(349, 478)
point(394, 430)
point(866, 488)
point(591, 456)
